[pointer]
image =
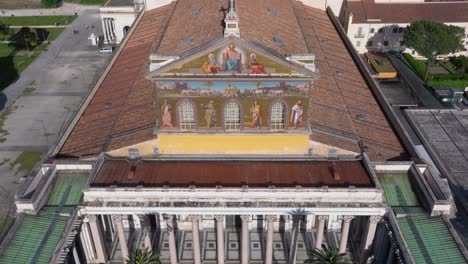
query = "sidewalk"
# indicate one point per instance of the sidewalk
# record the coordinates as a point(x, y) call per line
point(65, 10)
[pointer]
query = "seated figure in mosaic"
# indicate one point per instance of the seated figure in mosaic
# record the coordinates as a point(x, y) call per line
point(254, 66)
point(232, 59)
point(211, 66)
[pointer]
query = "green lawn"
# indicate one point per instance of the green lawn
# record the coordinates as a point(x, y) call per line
point(36, 20)
point(50, 33)
point(420, 66)
point(461, 84)
point(87, 2)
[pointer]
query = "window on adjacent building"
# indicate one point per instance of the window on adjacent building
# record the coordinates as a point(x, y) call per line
point(395, 30)
point(359, 31)
point(380, 30)
point(278, 116)
point(400, 30)
point(372, 30)
point(186, 115)
point(232, 118)
point(369, 43)
point(385, 43)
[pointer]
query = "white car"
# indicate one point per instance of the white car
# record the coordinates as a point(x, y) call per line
point(106, 50)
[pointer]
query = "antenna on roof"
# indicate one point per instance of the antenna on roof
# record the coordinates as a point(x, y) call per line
point(232, 22)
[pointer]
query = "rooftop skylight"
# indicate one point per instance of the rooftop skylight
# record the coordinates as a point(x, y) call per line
point(272, 10)
point(186, 41)
point(195, 10)
point(278, 41)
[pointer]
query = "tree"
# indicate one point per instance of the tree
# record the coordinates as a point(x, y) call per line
point(24, 38)
point(49, 3)
point(328, 255)
point(432, 39)
point(144, 256)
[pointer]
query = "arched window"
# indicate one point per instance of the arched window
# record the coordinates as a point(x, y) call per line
point(278, 116)
point(186, 115)
point(232, 114)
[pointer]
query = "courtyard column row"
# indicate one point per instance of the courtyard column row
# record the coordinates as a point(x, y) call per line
point(117, 219)
point(145, 228)
point(294, 238)
point(270, 219)
point(220, 238)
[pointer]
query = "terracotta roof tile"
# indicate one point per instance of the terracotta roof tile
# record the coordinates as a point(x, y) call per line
point(341, 82)
point(123, 95)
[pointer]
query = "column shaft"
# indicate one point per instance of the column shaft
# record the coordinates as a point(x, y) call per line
point(87, 243)
point(195, 238)
point(76, 257)
point(220, 238)
point(344, 233)
point(294, 238)
point(98, 239)
point(245, 239)
point(269, 243)
point(121, 234)
point(369, 236)
point(320, 229)
point(171, 238)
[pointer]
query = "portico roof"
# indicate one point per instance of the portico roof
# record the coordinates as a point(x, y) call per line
point(232, 173)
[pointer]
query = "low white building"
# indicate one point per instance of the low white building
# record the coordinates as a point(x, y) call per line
point(379, 26)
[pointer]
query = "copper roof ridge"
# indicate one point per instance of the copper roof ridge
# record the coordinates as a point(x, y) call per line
point(198, 158)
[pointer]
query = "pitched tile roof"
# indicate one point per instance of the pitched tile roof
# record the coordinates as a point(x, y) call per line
point(407, 12)
point(254, 173)
point(124, 101)
point(341, 93)
point(122, 110)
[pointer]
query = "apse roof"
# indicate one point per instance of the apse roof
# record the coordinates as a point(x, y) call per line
point(339, 95)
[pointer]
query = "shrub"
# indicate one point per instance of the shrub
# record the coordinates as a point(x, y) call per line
point(461, 63)
point(418, 66)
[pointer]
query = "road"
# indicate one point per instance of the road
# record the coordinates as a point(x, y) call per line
point(57, 82)
point(65, 10)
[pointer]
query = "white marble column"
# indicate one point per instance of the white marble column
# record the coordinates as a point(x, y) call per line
point(245, 239)
point(98, 239)
point(195, 238)
point(345, 232)
point(145, 228)
point(270, 219)
point(171, 238)
point(320, 229)
point(220, 237)
point(369, 234)
point(294, 238)
point(117, 219)
point(87, 242)
point(76, 257)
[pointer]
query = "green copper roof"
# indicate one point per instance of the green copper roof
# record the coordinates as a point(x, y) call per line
point(77, 182)
point(397, 190)
point(38, 235)
point(429, 239)
point(29, 236)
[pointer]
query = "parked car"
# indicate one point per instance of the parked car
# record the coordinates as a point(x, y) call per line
point(108, 49)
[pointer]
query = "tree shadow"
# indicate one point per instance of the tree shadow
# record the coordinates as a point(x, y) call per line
point(9, 73)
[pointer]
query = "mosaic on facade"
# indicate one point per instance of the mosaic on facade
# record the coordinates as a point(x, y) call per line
point(232, 59)
point(232, 105)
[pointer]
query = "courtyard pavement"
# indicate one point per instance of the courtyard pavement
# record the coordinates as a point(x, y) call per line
point(47, 95)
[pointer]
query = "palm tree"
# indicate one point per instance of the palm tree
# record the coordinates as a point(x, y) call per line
point(328, 255)
point(144, 256)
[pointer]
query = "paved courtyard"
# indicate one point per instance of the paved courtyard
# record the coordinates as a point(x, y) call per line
point(47, 95)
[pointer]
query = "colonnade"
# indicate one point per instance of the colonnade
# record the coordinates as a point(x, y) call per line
point(93, 235)
point(108, 25)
